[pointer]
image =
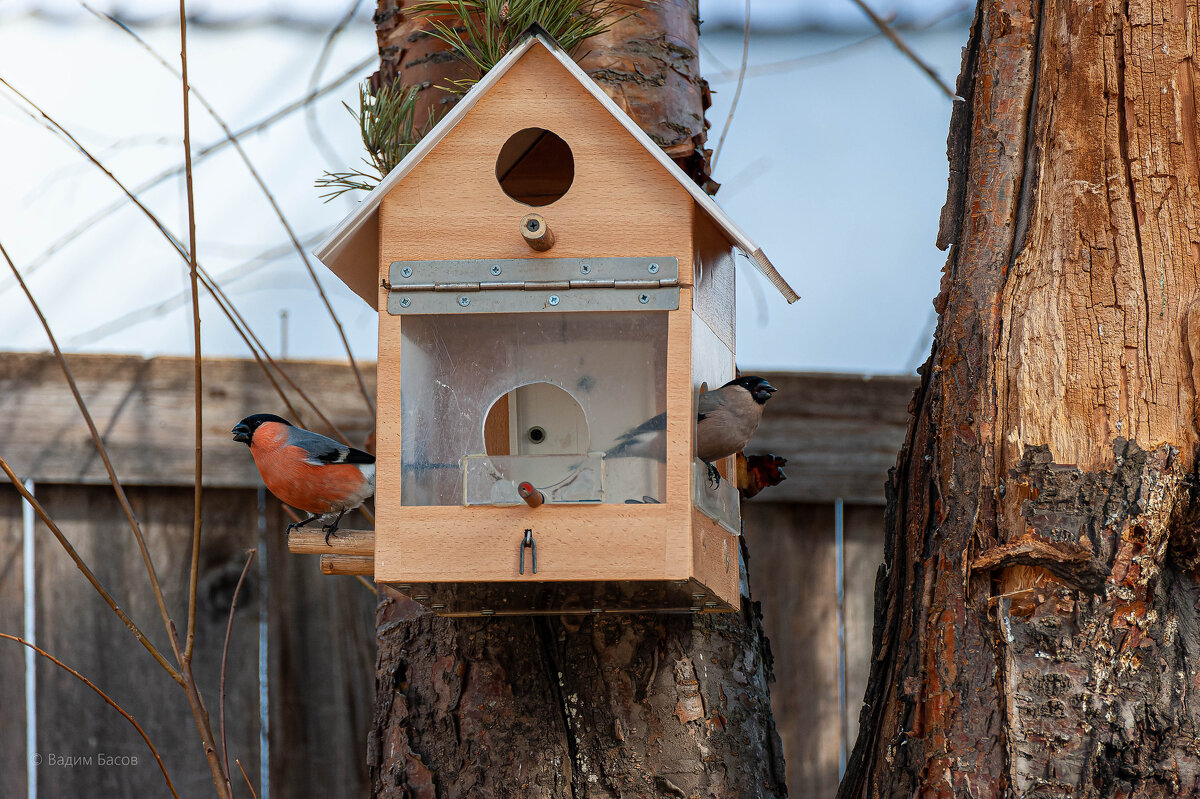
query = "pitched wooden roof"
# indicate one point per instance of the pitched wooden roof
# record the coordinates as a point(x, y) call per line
point(354, 236)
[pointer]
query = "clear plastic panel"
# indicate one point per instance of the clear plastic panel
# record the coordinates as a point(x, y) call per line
point(485, 481)
point(712, 367)
point(719, 502)
point(611, 366)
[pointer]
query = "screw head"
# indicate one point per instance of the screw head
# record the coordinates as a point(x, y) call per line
point(464, 301)
point(653, 269)
point(643, 298)
point(496, 269)
point(406, 271)
point(585, 269)
point(553, 299)
point(405, 302)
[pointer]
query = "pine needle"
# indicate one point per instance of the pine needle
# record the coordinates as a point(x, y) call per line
point(387, 122)
point(480, 32)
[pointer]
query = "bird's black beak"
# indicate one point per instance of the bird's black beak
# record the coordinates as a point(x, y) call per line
point(241, 433)
point(765, 386)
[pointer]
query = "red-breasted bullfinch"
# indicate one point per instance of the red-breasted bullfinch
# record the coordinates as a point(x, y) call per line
point(726, 419)
point(307, 470)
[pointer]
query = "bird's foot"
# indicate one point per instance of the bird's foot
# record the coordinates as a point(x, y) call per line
point(331, 528)
point(714, 477)
point(298, 525)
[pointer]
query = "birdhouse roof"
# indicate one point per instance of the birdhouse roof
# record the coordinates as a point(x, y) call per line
point(355, 237)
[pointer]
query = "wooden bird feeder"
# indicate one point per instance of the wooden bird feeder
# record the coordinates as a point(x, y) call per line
point(547, 281)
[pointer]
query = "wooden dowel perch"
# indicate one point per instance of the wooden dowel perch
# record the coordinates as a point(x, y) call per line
point(358, 543)
point(347, 565)
point(533, 498)
point(536, 232)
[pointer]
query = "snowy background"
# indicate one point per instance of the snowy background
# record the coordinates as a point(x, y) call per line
point(834, 163)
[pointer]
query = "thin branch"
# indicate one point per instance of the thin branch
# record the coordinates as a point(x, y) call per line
point(87, 573)
point(738, 91)
point(198, 379)
point(890, 32)
point(225, 652)
point(224, 303)
point(159, 308)
point(247, 778)
point(367, 583)
point(162, 767)
point(262, 185)
point(310, 116)
point(119, 489)
point(220, 773)
point(201, 155)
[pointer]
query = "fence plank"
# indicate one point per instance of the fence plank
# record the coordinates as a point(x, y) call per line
point(319, 709)
point(143, 408)
point(792, 575)
point(863, 537)
point(840, 434)
point(12, 655)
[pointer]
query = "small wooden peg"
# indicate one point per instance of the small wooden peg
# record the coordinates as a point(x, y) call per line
point(537, 233)
point(533, 498)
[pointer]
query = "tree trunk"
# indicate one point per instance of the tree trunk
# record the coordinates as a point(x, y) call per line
point(602, 706)
point(1037, 630)
point(648, 63)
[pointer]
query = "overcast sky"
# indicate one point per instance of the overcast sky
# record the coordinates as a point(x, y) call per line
point(834, 162)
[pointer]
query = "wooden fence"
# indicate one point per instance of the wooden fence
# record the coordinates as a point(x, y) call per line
point(821, 527)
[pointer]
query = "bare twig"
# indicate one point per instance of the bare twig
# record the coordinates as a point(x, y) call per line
point(201, 155)
point(158, 308)
point(220, 773)
point(367, 583)
point(119, 489)
point(87, 572)
point(247, 778)
point(106, 698)
point(224, 302)
point(198, 379)
point(262, 185)
point(310, 117)
point(225, 652)
point(890, 32)
point(738, 91)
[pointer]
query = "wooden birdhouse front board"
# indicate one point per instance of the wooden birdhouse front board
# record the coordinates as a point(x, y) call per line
point(571, 362)
point(620, 203)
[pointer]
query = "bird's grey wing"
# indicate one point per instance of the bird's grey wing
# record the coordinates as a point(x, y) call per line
point(709, 401)
point(641, 439)
point(324, 450)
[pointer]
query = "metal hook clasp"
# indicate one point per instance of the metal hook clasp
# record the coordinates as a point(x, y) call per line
point(528, 541)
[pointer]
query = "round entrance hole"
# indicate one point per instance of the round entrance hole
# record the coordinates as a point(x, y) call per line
point(536, 419)
point(535, 167)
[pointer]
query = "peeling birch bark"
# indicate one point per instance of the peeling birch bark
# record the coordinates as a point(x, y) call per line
point(1037, 631)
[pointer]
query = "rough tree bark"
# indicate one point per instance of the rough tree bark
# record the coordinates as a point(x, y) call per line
point(627, 705)
point(648, 63)
point(1037, 630)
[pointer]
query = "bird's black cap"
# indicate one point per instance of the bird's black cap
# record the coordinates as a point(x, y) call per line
point(758, 387)
point(243, 431)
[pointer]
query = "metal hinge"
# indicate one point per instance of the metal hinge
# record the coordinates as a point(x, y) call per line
point(533, 284)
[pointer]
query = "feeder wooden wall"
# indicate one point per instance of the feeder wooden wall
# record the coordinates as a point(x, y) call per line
point(839, 432)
